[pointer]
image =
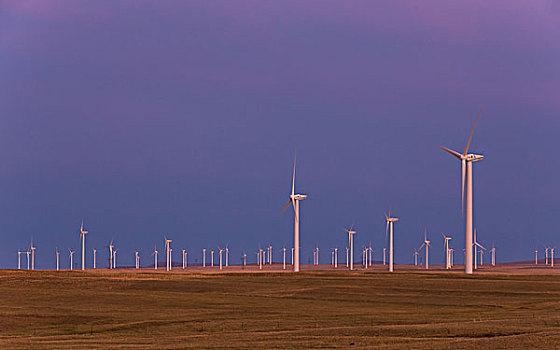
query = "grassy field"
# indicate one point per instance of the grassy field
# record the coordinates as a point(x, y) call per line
point(149, 310)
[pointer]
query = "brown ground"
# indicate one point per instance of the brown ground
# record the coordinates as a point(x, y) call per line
point(510, 306)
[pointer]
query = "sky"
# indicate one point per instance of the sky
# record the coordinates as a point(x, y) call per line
point(181, 119)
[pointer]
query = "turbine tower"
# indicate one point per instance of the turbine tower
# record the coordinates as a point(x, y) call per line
point(83, 239)
point(389, 230)
point(466, 166)
point(294, 200)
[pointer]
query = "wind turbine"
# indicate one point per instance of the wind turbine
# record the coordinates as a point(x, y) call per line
point(203, 257)
point(476, 244)
point(336, 257)
point(115, 258)
point(57, 260)
point(212, 258)
point(536, 257)
point(168, 253)
point(19, 259)
point(493, 251)
point(415, 257)
point(351, 234)
point(137, 257)
point(221, 250)
point(71, 260)
point(94, 260)
point(446, 240)
point(28, 252)
point(32, 255)
point(294, 200)
point(551, 257)
point(155, 253)
point(227, 255)
point(83, 239)
point(426, 246)
point(110, 246)
point(390, 221)
point(284, 259)
point(466, 166)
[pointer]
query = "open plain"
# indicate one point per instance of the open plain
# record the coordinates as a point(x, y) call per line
point(511, 306)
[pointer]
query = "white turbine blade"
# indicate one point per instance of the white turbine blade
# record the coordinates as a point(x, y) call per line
point(295, 212)
point(463, 164)
point(453, 153)
point(472, 132)
point(294, 177)
point(289, 201)
point(386, 232)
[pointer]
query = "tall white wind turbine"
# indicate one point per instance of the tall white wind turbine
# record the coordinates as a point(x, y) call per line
point(83, 239)
point(351, 234)
point(389, 230)
point(57, 260)
point(426, 246)
point(19, 259)
point(294, 200)
point(466, 167)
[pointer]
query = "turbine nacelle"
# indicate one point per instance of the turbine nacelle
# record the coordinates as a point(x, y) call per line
point(298, 197)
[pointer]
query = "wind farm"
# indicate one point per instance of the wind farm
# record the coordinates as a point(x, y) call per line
point(279, 175)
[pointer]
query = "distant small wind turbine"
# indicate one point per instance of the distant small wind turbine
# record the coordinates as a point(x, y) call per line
point(115, 258)
point(57, 260)
point(203, 257)
point(336, 257)
point(71, 258)
point(493, 251)
point(28, 252)
point(426, 246)
point(390, 221)
point(284, 259)
point(227, 255)
point(19, 259)
point(476, 244)
point(168, 253)
point(137, 260)
point(94, 258)
point(32, 255)
point(536, 257)
point(446, 240)
point(83, 239)
point(351, 234)
point(221, 251)
point(155, 253)
point(211, 258)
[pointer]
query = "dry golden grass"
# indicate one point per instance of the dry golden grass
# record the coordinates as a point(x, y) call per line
point(405, 310)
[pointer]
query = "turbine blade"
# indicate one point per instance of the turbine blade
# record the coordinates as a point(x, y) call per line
point(386, 232)
point(295, 211)
point(472, 132)
point(289, 201)
point(453, 153)
point(294, 177)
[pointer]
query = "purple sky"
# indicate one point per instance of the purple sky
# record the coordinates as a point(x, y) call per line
point(182, 118)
